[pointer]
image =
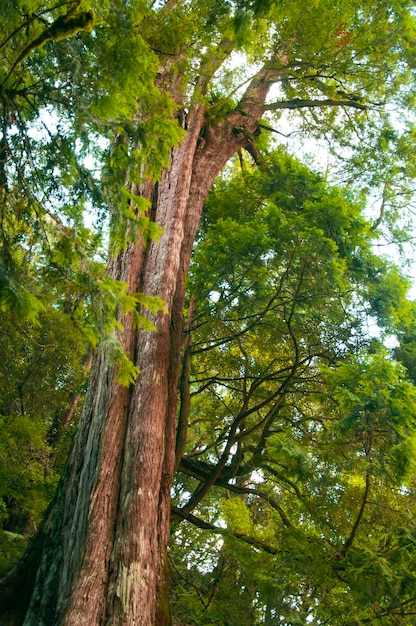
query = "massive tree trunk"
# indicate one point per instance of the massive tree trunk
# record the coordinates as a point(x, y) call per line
point(101, 555)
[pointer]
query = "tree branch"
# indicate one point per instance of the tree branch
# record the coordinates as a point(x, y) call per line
point(205, 486)
point(348, 543)
point(31, 19)
point(380, 218)
point(184, 390)
point(299, 103)
point(178, 514)
point(201, 470)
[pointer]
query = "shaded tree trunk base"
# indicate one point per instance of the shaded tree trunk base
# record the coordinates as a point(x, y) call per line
point(17, 586)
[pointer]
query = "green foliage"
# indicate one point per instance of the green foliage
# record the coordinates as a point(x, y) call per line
point(23, 458)
point(42, 365)
point(405, 352)
point(25, 490)
point(116, 303)
point(42, 373)
point(63, 101)
point(12, 546)
point(379, 408)
point(304, 419)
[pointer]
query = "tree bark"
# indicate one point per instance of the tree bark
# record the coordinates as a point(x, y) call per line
point(103, 555)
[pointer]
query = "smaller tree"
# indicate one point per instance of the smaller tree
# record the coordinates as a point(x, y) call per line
point(300, 425)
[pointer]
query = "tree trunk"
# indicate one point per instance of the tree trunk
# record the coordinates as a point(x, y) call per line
point(104, 540)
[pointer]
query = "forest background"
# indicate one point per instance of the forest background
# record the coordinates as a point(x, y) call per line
point(290, 369)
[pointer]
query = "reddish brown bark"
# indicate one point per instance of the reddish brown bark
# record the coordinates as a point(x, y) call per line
point(104, 540)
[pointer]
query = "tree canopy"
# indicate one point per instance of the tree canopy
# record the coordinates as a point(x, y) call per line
point(301, 423)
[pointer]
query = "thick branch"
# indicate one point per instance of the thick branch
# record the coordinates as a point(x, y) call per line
point(299, 103)
point(204, 487)
point(199, 523)
point(31, 19)
point(201, 471)
point(64, 27)
point(380, 218)
point(252, 101)
point(348, 543)
point(210, 63)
